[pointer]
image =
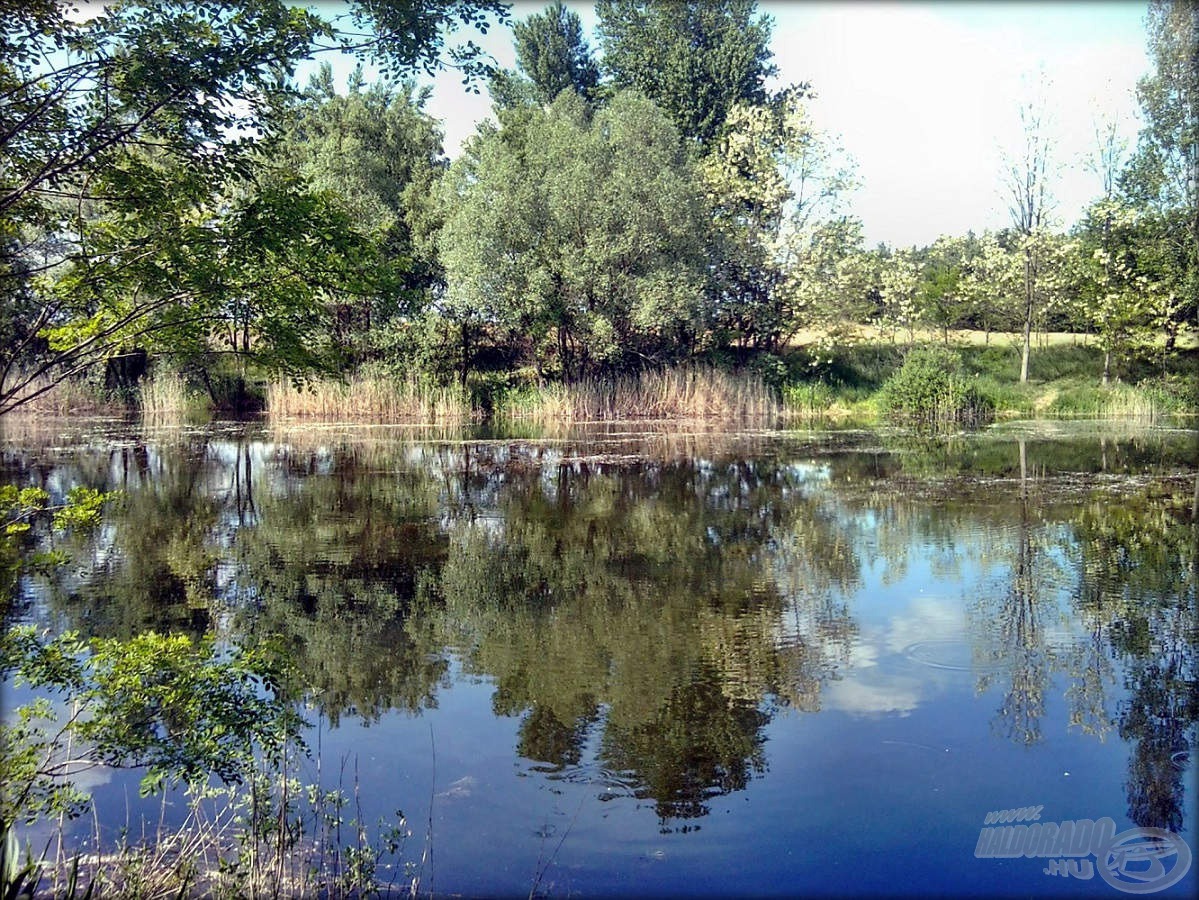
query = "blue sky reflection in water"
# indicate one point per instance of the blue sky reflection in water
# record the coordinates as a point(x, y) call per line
point(684, 664)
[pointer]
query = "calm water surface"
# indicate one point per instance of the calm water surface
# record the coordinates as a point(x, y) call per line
point(652, 662)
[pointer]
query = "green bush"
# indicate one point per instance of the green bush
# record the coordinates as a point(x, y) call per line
point(930, 390)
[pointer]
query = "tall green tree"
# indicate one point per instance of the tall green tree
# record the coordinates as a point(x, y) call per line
point(941, 299)
point(775, 187)
point(695, 59)
point(991, 284)
point(552, 52)
point(582, 235)
point(377, 153)
point(1162, 178)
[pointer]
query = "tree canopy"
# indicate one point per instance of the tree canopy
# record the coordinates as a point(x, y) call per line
point(153, 113)
point(586, 233)
point(695, 60)
point(169, 192)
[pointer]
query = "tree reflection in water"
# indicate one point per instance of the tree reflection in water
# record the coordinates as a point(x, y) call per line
point(646, 613)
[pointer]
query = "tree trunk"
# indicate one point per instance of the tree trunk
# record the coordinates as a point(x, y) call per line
point(465, 353)
point(1171, 335)
point(1107, 366)
point(1028, 293)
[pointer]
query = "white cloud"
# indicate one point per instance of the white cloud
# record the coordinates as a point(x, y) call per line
point(871, 688)
point(860, 695)
point(926, 619)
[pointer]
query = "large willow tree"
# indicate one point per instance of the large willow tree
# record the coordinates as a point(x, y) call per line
point(582, 235)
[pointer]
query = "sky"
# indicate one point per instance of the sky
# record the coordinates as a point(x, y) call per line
point(924, 97)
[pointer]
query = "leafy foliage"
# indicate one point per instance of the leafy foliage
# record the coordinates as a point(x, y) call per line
point(695, 60)
point(373, 154)
point(20, 510)
point(929, 389)
point(774, 185)
point(553, 56)
point(585, 235)
point(181, 709)
point(131, 144)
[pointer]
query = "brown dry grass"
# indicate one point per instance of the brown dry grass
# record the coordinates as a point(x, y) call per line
point(369, 397)
point(166, 398)
point(685, 392)
point(69, 397)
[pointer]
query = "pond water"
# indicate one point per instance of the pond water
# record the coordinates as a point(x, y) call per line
point(670, 662)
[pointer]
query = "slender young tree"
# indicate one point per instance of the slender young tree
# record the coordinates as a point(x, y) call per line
point(1106, 161)
point(1026, 177)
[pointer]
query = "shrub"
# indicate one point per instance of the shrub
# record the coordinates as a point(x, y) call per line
point(930, 390)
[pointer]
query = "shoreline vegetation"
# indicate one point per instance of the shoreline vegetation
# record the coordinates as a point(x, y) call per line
point(862, 384)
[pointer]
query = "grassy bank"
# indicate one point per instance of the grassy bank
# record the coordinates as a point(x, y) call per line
point(860, 384)
point(852, 384)
point(1064, 381)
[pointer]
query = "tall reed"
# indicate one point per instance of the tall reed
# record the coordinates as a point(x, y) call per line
point(370, 397)
point(1144, 401)
point(166, 397)
point(683, 392)
point(72, 396)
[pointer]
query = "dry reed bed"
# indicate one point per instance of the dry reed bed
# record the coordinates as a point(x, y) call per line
point(679, 393)
point(66, 398)
point(369, 398)
point(166, 398)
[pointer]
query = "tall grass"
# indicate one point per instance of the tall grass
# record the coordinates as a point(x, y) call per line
point(275, 836)
point(1148, 400)
point(1064, 383)
point(72, 396)
point(166, 397)
point(370, 396)
point(684, 392)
